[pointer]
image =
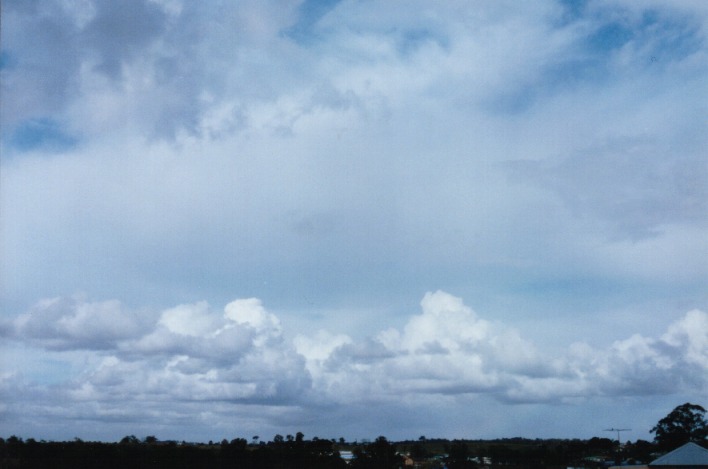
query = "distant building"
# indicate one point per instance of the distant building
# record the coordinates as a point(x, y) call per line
point(348, 456)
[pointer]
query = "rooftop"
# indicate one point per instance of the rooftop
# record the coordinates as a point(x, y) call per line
point(689, 454)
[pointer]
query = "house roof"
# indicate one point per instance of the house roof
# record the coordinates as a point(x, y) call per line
point(689, 454)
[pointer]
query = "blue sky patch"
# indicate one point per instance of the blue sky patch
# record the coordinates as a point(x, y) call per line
point(667, 36)
point(411, 40)
point(310, 13)
point(674, 40)
point(555, 78)
point(6, 61)
point(611, 36)
point(573, 10)
point(41, 133)
point(662, 39)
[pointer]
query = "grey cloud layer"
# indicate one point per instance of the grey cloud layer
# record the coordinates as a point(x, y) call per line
point(240, 358)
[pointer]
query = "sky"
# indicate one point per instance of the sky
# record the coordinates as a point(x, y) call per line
point(352, 218)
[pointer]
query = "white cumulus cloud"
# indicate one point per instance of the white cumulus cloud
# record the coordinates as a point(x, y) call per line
point(239, 358)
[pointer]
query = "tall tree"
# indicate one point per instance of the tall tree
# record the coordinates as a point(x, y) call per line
point(685, 423)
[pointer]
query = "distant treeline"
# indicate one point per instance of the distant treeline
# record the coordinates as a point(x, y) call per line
point(298, 453)
point(152, 454)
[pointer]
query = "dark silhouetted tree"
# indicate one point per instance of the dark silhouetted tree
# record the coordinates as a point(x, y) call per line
point(685, 423)
point(130, 440)
point(377, 455)
point(418, 451)
point(639, 451)
point(458, 455)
